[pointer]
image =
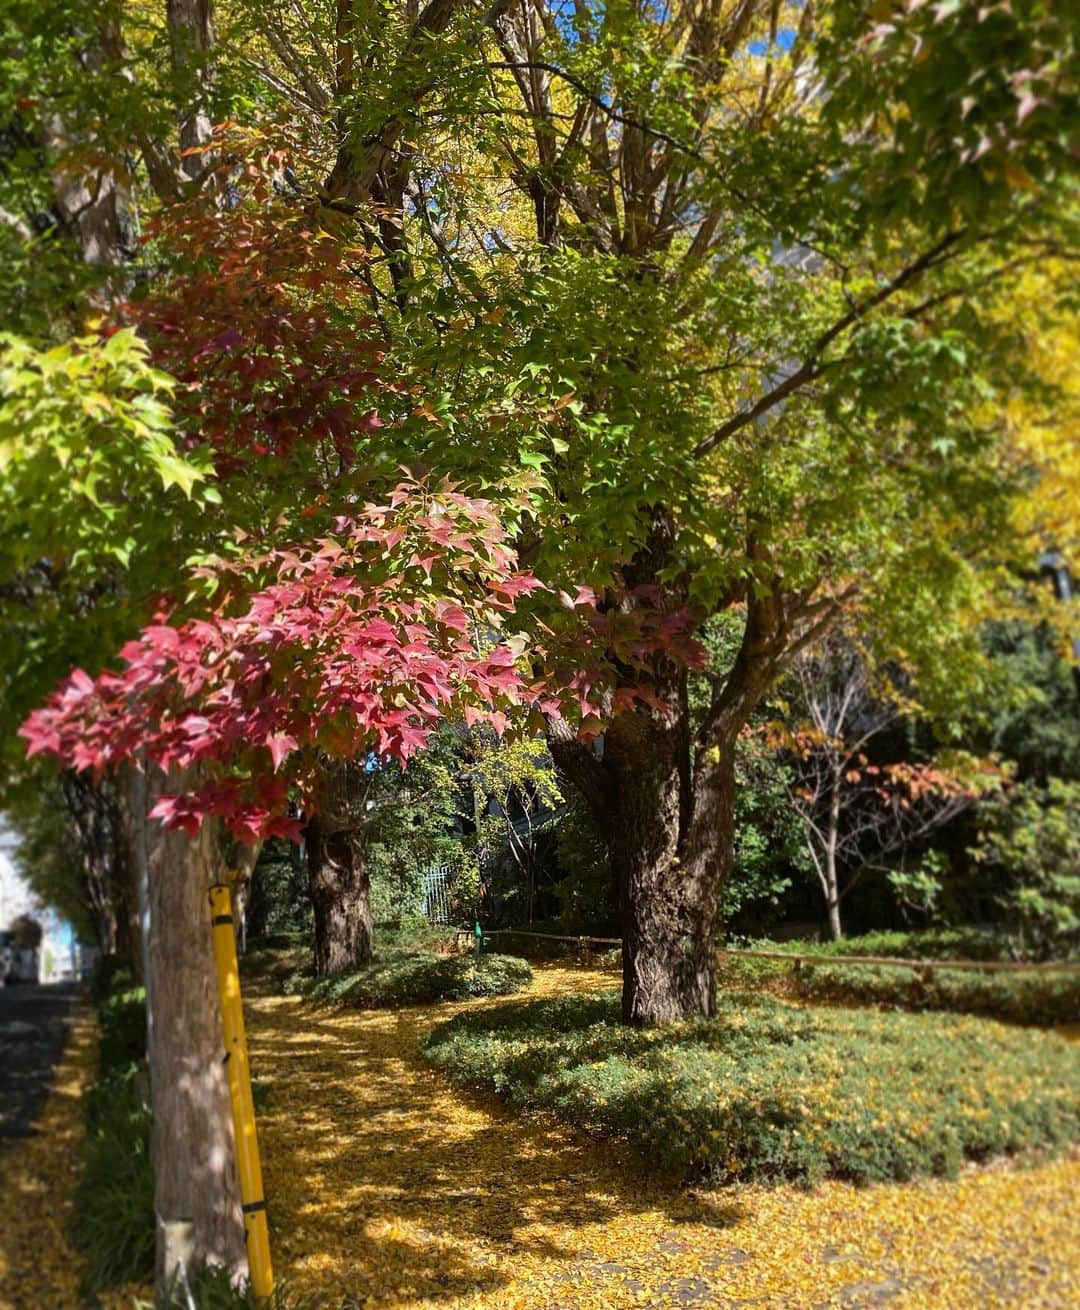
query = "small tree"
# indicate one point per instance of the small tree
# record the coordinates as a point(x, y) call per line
point(856, 814)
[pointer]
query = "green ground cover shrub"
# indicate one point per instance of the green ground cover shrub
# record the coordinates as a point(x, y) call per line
point(1035, 998)
point(406, 977)
point(122, 1021)
point(113, 1215)
point(769, 1090)
point(926, 944)
point(114, 1197)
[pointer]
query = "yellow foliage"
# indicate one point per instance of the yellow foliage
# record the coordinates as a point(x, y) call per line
point(1046, 435)
point(387, 1187)
point(37, 1176)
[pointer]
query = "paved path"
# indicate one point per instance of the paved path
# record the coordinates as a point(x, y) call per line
point(388, 1188)
point(33, 1029)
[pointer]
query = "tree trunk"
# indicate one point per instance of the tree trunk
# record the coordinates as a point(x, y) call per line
point(338, 879)
point(832, 881)
point(341, 898)
point(108, 932)
point(664, 792)
point(195, 1180)
point(671, 839)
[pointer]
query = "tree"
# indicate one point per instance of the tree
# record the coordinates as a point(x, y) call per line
point(857, 808)
point(753, 320)
point(514, 791)
point(72, 855)
point(358, 643)
point(748, 340)
point(1029, 844)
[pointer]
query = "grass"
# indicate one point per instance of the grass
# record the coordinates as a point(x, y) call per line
point(768, 1090)
point(399, 976)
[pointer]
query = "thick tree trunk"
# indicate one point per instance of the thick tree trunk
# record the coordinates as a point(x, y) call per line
point(671, 850)
point(195, 1183)
point(665, 794)
point(338, 879)
point(341, 898)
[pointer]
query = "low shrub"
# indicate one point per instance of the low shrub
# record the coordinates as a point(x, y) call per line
point(111, 973)
point(768, 1090)
point(122, 1020)
point(1036, 998)
point(926, 944)
point(113, 1217)
point(399, 977)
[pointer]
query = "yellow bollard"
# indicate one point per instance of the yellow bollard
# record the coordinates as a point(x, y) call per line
point(243, 1107)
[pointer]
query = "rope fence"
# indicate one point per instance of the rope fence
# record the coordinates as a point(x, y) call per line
point(798, 960)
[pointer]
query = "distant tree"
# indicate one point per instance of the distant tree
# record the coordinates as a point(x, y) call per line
point(1034, 716)
point(857, 815)
point(26, 932)
point(1028, 848)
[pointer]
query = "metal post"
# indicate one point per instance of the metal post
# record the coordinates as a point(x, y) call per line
point(243, 1106)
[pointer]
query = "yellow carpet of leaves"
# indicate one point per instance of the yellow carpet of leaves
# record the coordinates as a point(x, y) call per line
point(38, 1270)
point(389, 1188)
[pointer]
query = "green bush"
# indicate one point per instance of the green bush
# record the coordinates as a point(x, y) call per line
point(768, 1090)
point(111, 973)
point(1039, 999)
point(400, 977)
point(932, 944)
point(122, 1019)
point(113, 1216)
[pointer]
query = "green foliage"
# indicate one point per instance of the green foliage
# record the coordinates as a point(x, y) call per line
point(1034, 713)
point(122, 1018)
point(767, 1090)
point(586, 890)
point(934, 944)
point(86, 449)
point(409, 977)
point(1030, 839)
point(113, 1215)
point(1033, 999)
point(111, 974)
point(769, 851)
point(278, 900)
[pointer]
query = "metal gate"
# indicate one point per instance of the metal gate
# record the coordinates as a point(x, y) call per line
point(437, 894)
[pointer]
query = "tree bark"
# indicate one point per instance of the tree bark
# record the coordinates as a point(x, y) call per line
point(195, 1180)
point(338, 880)
point(665, 796)
point(832, 881)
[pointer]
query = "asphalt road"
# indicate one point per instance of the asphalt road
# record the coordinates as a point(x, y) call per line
point(33, 1029)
